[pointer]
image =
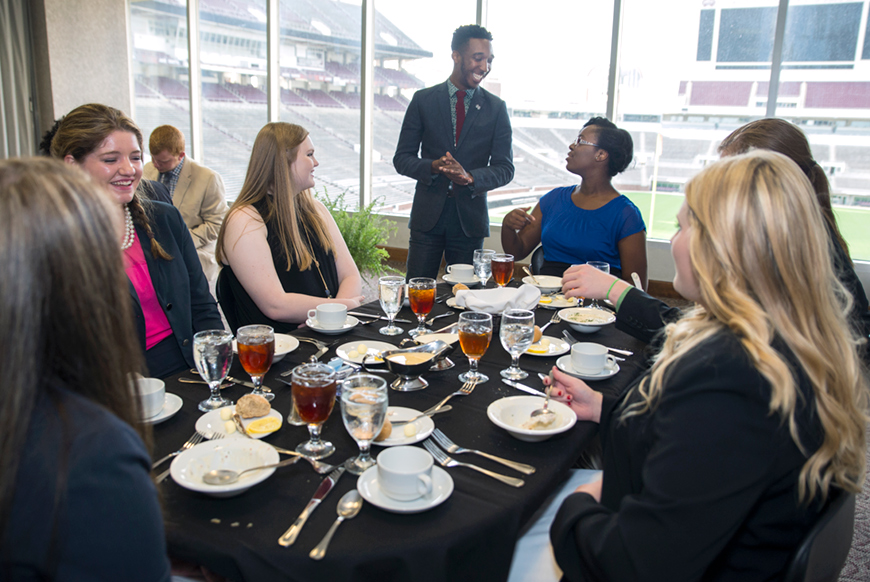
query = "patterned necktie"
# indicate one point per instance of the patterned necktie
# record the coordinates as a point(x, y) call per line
point(164, 179)
point(460, 113)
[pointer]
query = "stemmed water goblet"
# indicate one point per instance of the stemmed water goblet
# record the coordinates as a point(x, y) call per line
point(421, 295)
point(475, 333)
point(213, 354)
point(256, 344)
point(391, 294)
point(502, 268)
point(601, 266)
point(516, 333)
point(363, 410)
point(313, 387)
point(483, 265)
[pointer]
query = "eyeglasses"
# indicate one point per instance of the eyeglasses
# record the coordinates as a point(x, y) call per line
point(580, 141)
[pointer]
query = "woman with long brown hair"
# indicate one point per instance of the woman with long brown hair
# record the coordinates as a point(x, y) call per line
point(719, 459)
point(76, 498)
point(170, 292)
point(280, 249)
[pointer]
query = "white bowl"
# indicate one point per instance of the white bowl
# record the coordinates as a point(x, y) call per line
point(592, 319)
point(188, 468)
point(284, 344)
point(510, 413)
point(546, 283)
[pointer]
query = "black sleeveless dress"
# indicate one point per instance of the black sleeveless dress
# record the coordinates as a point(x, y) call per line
point(240, 309)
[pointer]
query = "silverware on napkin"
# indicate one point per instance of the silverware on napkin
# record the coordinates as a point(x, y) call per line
point(325, 487)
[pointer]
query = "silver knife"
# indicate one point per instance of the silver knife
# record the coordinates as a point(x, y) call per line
point(381, 317)
point(523, 387)
point(325, 487)
point(242, 382)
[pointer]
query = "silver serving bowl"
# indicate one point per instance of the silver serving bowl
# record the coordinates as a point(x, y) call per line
point(409, 374)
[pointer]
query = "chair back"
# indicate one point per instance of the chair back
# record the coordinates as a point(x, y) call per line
point(823, 551)
point(226, 300)
point(537, 260)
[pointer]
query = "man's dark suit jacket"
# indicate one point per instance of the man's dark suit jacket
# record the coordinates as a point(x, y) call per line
point(484, 150)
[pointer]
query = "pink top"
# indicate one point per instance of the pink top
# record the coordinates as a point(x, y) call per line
point(157, 327)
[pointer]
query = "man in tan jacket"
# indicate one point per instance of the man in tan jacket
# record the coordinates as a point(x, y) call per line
point(196, 191)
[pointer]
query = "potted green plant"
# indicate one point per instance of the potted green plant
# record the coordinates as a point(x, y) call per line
point(363, 231)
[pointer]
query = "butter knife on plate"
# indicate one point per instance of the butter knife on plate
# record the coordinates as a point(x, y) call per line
point(325, 487)
point(523, 387)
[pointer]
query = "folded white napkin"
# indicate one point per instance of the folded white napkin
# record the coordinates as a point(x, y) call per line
point(497, 300)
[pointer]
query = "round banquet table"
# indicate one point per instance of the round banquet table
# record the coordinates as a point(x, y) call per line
point(471, 536)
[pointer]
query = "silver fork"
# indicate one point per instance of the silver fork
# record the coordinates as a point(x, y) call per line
point(554, 319)
point(445, 461)
point(452, 447)
point(214, 436)
point(466, 389)
point(319, 466)
point(195, 438)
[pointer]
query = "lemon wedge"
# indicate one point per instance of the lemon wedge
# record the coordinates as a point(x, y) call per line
point(546, 300)
point(264, 425)
point(539, 348)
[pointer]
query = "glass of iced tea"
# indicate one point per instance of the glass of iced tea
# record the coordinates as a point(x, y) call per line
point(313, 387)
point(502, 269)
point(421, 295)
point(256, 346)
point(475, 333)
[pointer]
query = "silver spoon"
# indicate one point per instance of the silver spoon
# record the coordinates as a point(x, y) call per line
point(348, 506)
point(545, 415)
point(319, 466)
point(227, 476)
point(529, 273)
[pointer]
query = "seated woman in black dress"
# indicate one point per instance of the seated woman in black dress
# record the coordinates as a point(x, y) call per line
point(718, 460)
point(78, 501)
point(281, 251)
point(171, 300)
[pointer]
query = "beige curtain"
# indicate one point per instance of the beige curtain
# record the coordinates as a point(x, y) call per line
point(16, 117)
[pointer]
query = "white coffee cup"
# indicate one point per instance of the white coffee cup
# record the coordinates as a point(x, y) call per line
point(152, 393)
point(589, 358)
point(461, 271)
point(405, 473)
point(329, 315)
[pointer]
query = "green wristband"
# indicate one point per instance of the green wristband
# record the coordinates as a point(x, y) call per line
point(607, 296)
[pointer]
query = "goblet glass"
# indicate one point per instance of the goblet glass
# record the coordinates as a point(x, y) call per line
point(213, 354)
point(421, 294)
point(391, 291)
point(502, 268)
point(516, 334)
point(363, 410)
point(256, 349)
point(483, 265)
point(601, 266)
point(475, 333)
point(313, 388)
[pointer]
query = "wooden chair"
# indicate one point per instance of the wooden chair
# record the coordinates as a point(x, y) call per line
point(823, 551)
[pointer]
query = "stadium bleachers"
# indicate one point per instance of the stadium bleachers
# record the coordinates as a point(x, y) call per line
point(350, 100)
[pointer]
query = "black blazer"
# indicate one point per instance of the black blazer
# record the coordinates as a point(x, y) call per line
point(703, 487)
point(181, 287)
point(484, 150)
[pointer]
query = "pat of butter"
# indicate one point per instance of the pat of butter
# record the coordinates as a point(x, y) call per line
point(410, 430)
point(229, 427)
point(353, 354)
point(226, 412)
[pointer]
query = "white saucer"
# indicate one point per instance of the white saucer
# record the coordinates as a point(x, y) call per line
point(442, 488)
point(210, 423)
point(557, 347)
point(449, 278)
point(350, 323)
point(284, 344)
point(564, 364)
point(374, 348)
point(424, 425)
point(451, 302)
point(171, 405)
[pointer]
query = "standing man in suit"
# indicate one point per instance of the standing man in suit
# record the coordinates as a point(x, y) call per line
point(456, 142)
point(196, 191)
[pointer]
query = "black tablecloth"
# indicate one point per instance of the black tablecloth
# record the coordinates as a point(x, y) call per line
point(471, 536)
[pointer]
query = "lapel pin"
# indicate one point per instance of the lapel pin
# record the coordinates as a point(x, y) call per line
point(477, 107)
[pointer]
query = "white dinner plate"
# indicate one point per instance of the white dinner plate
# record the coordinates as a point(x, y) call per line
point(452, 279)
point(350, 323)
point(188, 468)
point(432, 337)
point(424, 425)
point(564, 364)
point(349, 352)
point(171, 406)
point(442, 487)
point(557, 347)
point(211, 422)
point(557, 301)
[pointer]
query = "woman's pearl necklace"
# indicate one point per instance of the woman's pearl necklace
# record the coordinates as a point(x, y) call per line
point(130, 231)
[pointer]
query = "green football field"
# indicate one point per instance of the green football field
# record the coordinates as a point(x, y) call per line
point(854, 222)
